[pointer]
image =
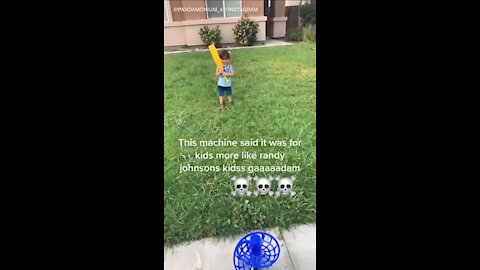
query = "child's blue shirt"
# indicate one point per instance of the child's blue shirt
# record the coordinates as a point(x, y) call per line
point(221, 79)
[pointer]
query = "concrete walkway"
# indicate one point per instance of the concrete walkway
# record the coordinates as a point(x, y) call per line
point(297, 251)
point(268, 43)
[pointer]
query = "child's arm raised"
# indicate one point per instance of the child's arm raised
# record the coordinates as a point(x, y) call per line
point(218, 72)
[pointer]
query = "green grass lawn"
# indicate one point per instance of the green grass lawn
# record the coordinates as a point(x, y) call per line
point(274, 94)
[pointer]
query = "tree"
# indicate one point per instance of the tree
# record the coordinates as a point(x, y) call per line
point(308, 13)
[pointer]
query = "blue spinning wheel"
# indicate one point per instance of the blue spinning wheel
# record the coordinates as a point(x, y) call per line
point(256, 250)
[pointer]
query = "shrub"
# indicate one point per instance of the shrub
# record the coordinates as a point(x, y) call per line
point(295, 34)
point(310, 33)
point(209, 35)
point(308, 13)
point(246, 31)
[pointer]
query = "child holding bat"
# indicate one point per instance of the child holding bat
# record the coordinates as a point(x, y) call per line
point(224, 75)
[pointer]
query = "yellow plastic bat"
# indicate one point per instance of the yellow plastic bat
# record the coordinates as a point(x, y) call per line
point(216, 58)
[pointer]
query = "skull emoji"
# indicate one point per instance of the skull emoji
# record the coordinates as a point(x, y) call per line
point(263, 186)
point(240, 185)
point(285, 186)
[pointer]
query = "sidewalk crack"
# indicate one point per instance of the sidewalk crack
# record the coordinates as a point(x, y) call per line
point(286, 247)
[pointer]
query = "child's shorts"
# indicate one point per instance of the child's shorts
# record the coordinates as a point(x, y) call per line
point(221, 90)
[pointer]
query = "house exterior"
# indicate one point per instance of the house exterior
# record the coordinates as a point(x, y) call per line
point(292, 12)
point(184, 18)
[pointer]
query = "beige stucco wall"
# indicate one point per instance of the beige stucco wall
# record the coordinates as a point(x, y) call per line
point(255, 5)
point(174, 36)
point(186, 33)
point(279, 25)
point(278, 7)
point(195, 8)
point(171, 6)
point(183, 27)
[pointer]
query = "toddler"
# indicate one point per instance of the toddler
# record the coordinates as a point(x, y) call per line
point(224, 87)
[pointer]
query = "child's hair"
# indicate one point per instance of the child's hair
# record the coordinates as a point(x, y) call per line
point(224, 55)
